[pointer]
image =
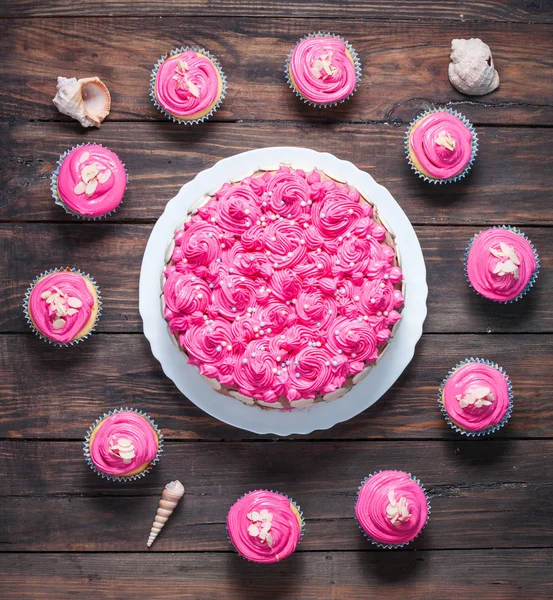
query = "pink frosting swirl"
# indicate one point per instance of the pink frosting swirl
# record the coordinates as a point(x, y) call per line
point(442, 144)
point(248, 517)
point(60, 306)
point(468, 382)
point(491, 268)
point(188, 85)
point(374, 516)
point(322, 70)
point(129, 426)
point(279, 296)
point(92, 180)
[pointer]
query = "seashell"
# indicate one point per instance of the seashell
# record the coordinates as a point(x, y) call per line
point(86, 100)
point(170, 497)
point(471, 70)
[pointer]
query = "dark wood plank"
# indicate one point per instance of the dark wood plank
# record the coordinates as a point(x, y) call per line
point(78, 384)
point(112, 253)
point(405, 66)
point(500, 488)
point(510, 182)
point(487, 10)
point(423, 575)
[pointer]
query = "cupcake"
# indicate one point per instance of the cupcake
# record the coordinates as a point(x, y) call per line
point(476, 397)
point(501, 264)
point(323, 69)
point(62, 306)
point(123, 445)
point(391, 508)
point(441, 145)
point(187, 85)
point(265, 527)
point(90, 181)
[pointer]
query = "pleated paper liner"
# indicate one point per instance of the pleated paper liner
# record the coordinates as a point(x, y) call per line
point(530, 283)
point(474, 145)
point(55, 193)
point(153, 78)
point(90, 462)
point(28, 316)
point(492, 428)
point(356, 64)
point(296, 506)
point(382, 544)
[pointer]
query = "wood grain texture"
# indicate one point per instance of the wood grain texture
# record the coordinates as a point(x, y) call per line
point(112, 254)
point(78, 384)
point(405, 67)
point(500, 487)
point(511, 179)
point(422, 575)
point(482, 10)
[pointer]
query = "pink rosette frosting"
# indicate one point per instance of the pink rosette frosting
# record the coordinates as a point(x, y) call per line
point(322, 70)
point(476, 396)
point(105, 449)
point(263, 527)
point(60, 306)
point(188, 85)
point(500, 264)
point(91, 180)
point(391, 508)
point(279, 296)
point(442, 144)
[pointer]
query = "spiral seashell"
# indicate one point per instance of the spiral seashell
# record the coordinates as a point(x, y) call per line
point(471, 69)
point(170, 497)
point(87, 100)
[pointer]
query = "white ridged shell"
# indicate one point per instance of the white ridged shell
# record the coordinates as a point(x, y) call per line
point(87, 100)
point(471, 69)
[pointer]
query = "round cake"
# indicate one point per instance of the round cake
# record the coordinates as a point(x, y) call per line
point(62, 306)
point(323, 69)
point(501, 264)
point(476, 397)
point(123, 444)
point(283, 288)
point(391, 508)
point(265, 527)
point(90, 182)
point(188, 85)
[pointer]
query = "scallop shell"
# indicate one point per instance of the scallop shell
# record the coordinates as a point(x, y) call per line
point(471, 69)
point(87, 100)
point(170, 497)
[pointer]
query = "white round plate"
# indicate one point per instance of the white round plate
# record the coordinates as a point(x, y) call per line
point(322, 415)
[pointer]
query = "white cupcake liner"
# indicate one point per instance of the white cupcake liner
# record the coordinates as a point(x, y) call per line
point(90, 462)
point(488, 430)
point(28, 316)
point(382, 544)
point(474, 145)
point(181, 50)
point(296, 506)
point(54, 186)
point(530, 283)
point(356, 64)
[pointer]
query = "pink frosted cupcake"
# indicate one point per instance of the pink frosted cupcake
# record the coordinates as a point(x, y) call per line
point(501, 264)
point(265, 527)
point(323, 69)
point(441, 145)
point(123, 445)
point(62, 306)
point(391, 508)
point(476, 397)
point(90, 181)
point(188, 85)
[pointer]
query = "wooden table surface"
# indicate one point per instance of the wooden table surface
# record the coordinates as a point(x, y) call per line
point(64, 532)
